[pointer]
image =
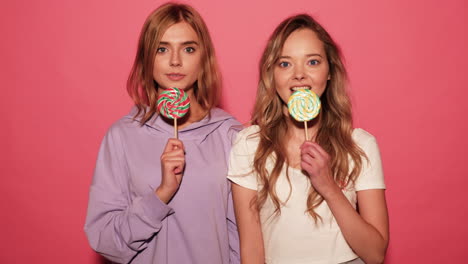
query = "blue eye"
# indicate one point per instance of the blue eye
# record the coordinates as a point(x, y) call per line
point(189, 50)
point(313, 62)
point(284, 64)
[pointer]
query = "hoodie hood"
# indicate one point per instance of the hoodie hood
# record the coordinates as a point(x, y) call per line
point(198, 130)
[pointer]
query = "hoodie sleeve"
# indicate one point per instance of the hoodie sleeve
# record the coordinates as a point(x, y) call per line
point(117, 226)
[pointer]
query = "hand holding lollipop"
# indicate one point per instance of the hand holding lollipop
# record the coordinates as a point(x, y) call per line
point(304, 105)
point(173, 103)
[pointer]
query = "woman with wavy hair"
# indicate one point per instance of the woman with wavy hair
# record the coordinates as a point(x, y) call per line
point(158, 199)
point(300, 201)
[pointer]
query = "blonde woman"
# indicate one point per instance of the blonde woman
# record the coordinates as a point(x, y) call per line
point(154, 198)
point(297, 201)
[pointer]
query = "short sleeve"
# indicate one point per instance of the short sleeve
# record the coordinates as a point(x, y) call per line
point(371, 176)
point(241, 160)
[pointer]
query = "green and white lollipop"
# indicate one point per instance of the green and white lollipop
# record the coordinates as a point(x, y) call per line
point(304, 105)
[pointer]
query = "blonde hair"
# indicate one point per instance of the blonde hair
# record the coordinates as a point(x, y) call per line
point(335, 126)
point(141, 85)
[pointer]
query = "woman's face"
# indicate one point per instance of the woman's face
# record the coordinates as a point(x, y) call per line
point(178, 59)
point(302, 64)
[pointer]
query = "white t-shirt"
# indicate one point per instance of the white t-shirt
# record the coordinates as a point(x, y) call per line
point(293, 237)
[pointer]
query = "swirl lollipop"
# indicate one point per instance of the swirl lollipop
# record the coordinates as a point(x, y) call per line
point(173, 103)
point(304, 105)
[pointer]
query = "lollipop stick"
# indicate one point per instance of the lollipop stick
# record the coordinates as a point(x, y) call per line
point(306, 133)
point(175, 129)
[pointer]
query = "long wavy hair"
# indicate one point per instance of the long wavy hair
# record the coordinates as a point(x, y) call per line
point(141, 85)
point(334, 128)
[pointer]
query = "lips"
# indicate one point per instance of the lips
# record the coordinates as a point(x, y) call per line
point(175, 76)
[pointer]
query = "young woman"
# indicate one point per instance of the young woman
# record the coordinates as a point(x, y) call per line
point(154, 198)
point(297, 201)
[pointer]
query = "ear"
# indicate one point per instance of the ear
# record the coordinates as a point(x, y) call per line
point(329, 77)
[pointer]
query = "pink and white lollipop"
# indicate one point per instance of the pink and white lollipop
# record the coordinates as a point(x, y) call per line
point(173, 103)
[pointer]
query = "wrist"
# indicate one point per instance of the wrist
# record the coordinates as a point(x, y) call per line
point(164, 194)
point(331, 192)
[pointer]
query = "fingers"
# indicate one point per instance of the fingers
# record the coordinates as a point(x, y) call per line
point(306, 166)
point(172, 168)
point(315, 151)
point(176, 166)
point(313, 157)
point(173, 144)
point(173, 157)
point(321, 151)
point(177, 153)
point(316, 162)
point(173, 151)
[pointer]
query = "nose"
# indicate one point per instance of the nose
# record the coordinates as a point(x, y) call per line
point(298, 74)
point(175, 59)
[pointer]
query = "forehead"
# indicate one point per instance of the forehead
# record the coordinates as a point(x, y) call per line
point(302, 41)
point(179, 32)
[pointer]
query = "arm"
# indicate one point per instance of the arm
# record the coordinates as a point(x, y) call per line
point(233, 233)
point(117, 226)
point(248, 223)
point(366, 232)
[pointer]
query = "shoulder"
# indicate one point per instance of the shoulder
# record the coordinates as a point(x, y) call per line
point(371, 176)
point(124, 127)
point(368, 143)
point(363, 138)
point(227, 123)
point(218, 114)
point(249, 133)
point(242, 157)
point(247, 139)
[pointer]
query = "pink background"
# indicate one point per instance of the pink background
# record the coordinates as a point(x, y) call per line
point(63, 70)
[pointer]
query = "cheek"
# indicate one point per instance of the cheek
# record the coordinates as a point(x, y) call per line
point(279, 79)
point(157, 71)
point(198, 64)
point(157, 66)
point(320, 77)
point(326, 74)
point(324, 78)
point(194, 65)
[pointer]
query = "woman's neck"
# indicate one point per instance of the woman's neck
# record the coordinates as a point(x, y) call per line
point(296, 129)
point(196, 112)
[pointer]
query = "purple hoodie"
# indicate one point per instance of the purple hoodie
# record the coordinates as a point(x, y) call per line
point(128, 223)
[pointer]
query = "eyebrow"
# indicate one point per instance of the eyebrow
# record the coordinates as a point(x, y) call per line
point(307, 55)
point(190, 42)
